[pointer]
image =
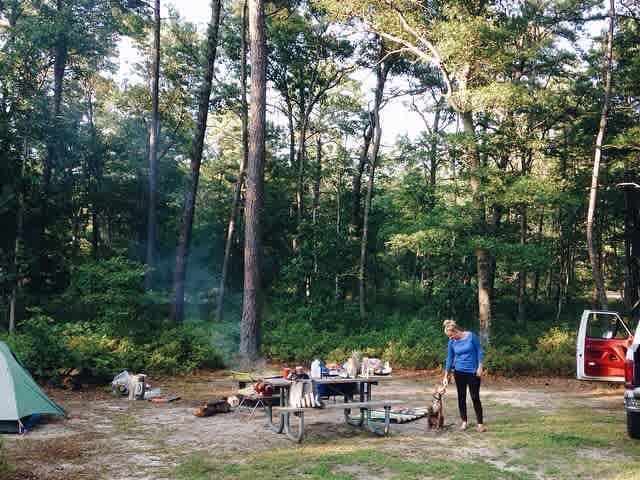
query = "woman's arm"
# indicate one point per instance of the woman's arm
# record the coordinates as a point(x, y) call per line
point(479, 353)
point(448, 363)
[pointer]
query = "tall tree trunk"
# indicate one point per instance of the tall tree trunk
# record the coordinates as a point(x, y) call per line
point(61, 54)
point(382, 70)
point(338, 289)
point(292, 133)
point(17, 248)
point(302, 140)
point(433, 152)
point(317, 175)
point(52, 157)
point(250, 323)
point(484, 259)
point(95, 180)
point(243, 163)
point(536, 275)
point(601, 294)
point(154, 133)
point(522, 274)
point(357, 177)
point(315, 200)
point(184, 242)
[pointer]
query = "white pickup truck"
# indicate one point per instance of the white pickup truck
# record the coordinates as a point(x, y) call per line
point(607, 350)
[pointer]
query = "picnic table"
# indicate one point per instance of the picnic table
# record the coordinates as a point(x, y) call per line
point(355, 392)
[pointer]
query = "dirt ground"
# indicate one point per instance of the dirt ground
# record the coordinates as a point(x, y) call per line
point(105, 437)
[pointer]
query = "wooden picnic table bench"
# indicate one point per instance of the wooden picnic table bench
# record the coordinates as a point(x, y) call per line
point(363, 388)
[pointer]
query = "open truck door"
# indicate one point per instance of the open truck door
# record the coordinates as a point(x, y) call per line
point(603, 340)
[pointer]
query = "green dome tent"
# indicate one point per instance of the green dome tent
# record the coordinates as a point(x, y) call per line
point(20, 395)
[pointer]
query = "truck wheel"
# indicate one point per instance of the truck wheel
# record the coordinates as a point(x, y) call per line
point(633, 424)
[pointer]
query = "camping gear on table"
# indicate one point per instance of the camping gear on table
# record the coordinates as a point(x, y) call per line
point(264, 389)
point(374, 366)
point(316, 369)
point(21, 399)
point(302, 395)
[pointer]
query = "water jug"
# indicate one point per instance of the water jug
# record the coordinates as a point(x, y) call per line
point(316, 371)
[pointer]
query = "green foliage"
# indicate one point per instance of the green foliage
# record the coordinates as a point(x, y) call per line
point(40, 346)
point(108, 290)
point(52, 350)
point(551, 353)
point(413, 340)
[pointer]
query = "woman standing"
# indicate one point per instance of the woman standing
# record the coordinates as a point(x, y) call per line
point(464, 354)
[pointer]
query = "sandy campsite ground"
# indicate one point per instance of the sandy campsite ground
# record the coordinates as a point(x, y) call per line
point(105, 437)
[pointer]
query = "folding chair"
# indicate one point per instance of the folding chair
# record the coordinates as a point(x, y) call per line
point(258, 401)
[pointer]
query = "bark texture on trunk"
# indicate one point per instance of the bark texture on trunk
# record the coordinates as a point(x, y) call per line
point(433, 152)
point(302, 142)
point(382, 71)
point(484, 260)
point(184, 242)
point(315, 204)
point(53, 144)
point(61, 53)
point(601, 294)
point(95, 181)
point(243, 163)
point(522, 274)
point(317, 176)
point(154, 132)
point(17, 246)
point(357, 177)
point(250, 323)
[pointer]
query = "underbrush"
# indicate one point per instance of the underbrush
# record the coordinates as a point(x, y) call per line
point(98, 351)
point(300, 334)
point(104, 323)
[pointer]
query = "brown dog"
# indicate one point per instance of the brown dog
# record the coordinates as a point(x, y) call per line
point(435, 411)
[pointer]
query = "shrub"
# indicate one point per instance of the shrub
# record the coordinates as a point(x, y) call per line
point(411, 340)
point(181, 350)
point(108, 290)
point(40, 345)
point(53, 350)
point(553, 354)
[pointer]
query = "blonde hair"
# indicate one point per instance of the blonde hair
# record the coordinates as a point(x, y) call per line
point(450, 325)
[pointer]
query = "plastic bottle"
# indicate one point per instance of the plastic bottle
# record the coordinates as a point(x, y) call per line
point(316, 371)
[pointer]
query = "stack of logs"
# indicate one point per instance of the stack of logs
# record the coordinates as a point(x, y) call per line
point(211, 408)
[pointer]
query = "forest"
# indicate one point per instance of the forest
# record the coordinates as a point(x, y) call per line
point(236, 196)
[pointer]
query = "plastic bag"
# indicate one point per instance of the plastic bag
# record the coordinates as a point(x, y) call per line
point(120, 384)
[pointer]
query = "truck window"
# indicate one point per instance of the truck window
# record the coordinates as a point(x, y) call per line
point(606, 326)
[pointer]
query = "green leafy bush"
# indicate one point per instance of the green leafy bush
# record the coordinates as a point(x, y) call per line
point(53, 350)
point(331, 334)
point(411, 340)
point(109, 291)
point(181, 350)
point(553, 353)
point(40, 345)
